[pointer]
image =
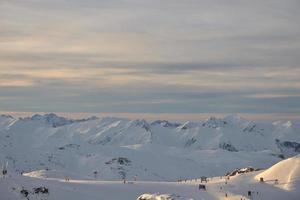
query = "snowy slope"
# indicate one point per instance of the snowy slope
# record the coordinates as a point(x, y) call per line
point(287, 172)
point(5, 121)
point(117, 148)
point(236, 188)
point(91, 190)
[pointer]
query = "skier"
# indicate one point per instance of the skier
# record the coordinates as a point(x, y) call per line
point(4, 170)
point(95, 174)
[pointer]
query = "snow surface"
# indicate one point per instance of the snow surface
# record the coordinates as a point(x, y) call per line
point(236, 187)
point(287, 172)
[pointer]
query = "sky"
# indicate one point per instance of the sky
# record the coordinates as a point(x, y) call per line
point(160, 57)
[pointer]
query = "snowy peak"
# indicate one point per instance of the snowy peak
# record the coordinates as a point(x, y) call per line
point(142, 124)
point(229, 120)
point(213, 122)
point(3, 116)
point(123, 132)
point(88, 119)
point(187, 125)
point(50, 119)
point(5, 120)
point(165, 123)
point(55, 120)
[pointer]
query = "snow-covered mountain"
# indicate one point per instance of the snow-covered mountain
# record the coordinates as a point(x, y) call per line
point(116, 148)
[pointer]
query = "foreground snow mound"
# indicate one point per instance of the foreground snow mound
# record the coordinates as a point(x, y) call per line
point(160, 197)
point(287, 172)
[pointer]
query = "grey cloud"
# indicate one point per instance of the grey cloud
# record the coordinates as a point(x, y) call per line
point(254, 45)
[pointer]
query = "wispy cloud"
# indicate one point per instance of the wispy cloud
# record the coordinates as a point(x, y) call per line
point(272, 96)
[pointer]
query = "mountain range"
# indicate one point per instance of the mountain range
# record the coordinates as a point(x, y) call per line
point(112, 148)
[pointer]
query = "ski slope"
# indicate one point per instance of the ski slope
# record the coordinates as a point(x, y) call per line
point(236, 187)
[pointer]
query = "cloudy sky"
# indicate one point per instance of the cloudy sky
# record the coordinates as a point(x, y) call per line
point(158, 56)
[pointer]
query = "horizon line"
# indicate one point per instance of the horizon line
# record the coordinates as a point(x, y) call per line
point(165, 116)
